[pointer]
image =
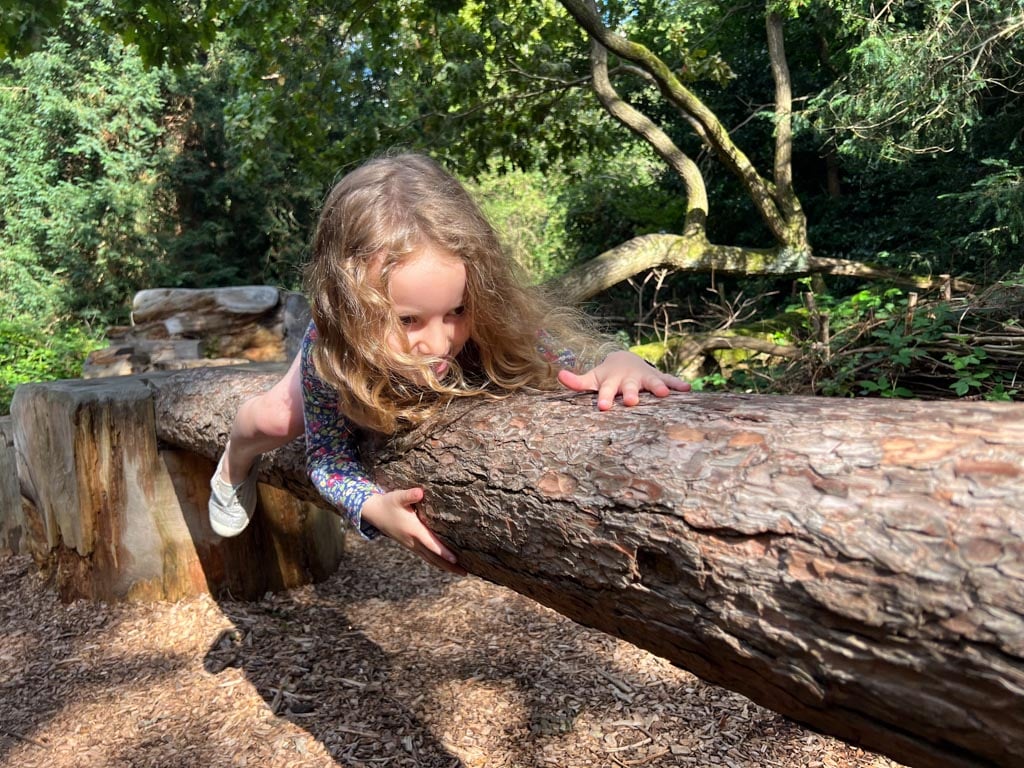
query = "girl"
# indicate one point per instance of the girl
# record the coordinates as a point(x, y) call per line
point(414, 302)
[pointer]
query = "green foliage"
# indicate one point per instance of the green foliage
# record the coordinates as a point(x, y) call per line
point(27, 288)
point(525, 208)
point(612, 198)
point(165, 32)
point(918, 74)
point(242, 203)
point(24, 23)
point(883, 343)
point(81, 142)
point(995, 209)
point(30, 351)
point(685, 35)
point(714, 382)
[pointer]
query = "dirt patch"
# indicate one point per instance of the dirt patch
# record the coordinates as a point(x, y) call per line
point(387, 663)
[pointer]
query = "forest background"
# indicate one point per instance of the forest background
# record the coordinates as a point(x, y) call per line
point(780, 168)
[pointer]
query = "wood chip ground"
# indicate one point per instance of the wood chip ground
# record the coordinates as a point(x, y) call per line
point(388, 663)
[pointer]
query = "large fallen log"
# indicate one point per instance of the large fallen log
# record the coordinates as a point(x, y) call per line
point(855, 565)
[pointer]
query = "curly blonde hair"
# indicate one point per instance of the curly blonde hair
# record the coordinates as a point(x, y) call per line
point(372, 220)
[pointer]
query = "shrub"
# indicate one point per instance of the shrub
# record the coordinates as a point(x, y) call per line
point(30, 352)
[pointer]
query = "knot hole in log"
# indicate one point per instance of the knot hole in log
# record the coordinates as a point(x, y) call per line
point(656, 568)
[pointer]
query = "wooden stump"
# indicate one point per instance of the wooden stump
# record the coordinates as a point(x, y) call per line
point(118, 518)
point(12, 516)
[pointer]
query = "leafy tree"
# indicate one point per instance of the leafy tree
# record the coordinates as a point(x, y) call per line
point(529, 213)
point(760, 171)
point(82, 142)
point(23, 25)
point(919, 76)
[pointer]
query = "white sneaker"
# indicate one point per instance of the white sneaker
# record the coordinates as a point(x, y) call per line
point(231, 506)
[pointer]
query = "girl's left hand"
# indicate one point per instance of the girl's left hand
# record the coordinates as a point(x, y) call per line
point(622, 373)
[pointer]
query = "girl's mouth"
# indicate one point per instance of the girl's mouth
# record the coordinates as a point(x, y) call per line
point(440, 369)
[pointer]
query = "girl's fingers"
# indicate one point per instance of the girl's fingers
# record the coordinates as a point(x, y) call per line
point(662, 384)
point(606, 394)
point(438, 561)
point(434, 545)
point(430, 548)
point(677, 384)
point(577, 383)
point(657, 385)
point(408, 497)
point(630, 392)
point(655, 382)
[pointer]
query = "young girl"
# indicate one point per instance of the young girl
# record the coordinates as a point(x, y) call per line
point(414, 302)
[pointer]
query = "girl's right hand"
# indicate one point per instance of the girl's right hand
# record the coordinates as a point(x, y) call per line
point(394, 514)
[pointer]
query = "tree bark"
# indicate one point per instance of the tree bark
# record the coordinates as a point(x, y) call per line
point(783, 115)
point(857, 566)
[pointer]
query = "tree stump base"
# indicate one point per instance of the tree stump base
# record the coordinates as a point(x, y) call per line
point(117, 517)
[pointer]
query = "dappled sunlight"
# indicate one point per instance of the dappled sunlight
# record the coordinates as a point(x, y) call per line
point(387, 662)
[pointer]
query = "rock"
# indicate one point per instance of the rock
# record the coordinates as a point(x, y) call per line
point(176, 328)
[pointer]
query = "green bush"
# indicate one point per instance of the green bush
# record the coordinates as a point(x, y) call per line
point(30, 352)
point(883, 343)
point(525, 208)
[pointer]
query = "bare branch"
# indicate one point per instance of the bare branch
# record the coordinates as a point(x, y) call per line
point(645, 128)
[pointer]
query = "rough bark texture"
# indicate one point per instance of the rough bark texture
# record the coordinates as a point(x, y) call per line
point(12, 516)
point(855, 565)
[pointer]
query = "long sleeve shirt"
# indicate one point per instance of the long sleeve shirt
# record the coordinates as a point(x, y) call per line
point(332, 454)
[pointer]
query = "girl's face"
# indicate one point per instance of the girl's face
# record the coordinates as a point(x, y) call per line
point(427, 292)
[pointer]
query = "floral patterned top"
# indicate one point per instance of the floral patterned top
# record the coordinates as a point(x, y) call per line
point(332, 455)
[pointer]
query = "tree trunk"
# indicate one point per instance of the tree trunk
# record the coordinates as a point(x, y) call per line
point(855, 565)
point(775, 201)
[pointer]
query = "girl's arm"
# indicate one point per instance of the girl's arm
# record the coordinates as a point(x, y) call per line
point(331, 454)
point(622, 373)
point(335, 470)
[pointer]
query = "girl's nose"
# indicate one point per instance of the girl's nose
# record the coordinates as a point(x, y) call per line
point(433, 340)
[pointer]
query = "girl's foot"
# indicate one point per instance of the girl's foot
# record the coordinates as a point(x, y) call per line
point(232, 506)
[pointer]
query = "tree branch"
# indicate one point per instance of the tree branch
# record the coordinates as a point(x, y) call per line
point(783, 116)
point(694, 253)
point(644, 127)
point(761, 191)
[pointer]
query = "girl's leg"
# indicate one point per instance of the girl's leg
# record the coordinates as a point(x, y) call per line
point(263, 423)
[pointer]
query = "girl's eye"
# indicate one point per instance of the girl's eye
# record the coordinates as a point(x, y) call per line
point(458, 311)
point(407, 320)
